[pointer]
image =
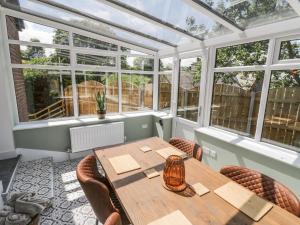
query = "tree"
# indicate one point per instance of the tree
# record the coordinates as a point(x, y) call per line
point(33, 51)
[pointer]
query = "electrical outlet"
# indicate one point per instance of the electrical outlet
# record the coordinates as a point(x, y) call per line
point(144, 126)
point(213, 154)
point(206, 150)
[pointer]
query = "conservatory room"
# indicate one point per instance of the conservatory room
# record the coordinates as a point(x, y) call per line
point(150, 112)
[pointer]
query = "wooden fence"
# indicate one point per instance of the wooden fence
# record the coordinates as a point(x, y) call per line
point(237, 109)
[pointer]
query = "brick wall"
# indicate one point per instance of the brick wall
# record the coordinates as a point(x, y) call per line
point(19, 81)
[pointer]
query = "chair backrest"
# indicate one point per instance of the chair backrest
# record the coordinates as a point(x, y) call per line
point(264, 186)
point(189, 147)
point(95, 191)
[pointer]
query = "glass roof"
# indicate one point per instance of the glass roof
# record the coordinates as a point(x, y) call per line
point(175, 22)
point(180, 14)
point(252, 13)
point(111, 14)
point(84, 22)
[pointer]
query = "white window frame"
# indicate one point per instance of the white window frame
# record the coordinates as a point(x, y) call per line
point(203, 54)
point(272, 63)
point(165, 72)
point(73, 67)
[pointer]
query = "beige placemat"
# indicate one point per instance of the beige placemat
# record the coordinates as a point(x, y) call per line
point(145, 148)
point(166, 152)
point(244, 200)
point(151, 173)
point(174, 218)
point(124, 163)
point(200, 189)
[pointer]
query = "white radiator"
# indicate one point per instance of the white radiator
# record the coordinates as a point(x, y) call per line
point(89, 137)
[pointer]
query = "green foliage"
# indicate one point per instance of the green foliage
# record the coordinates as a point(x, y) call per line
point(286, 78)
point(32, 52)
point(101, 100)
point(290, 49)
point(137, 80)
point(139, 63)
point(253, 53)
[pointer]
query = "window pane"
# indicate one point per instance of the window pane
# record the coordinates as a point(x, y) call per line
point(89, 84)
point(87, 42)
point(97, 60)
point(131, 51)
point(165, 89)
point(290, 49)
point(137, 63)
point(254, 53)
point(166, 64)
point(282, 117)
point(236, 99)
point(252, 13)
point(43, 94)
point(23, 30)
point(39, 55)
point(137, 92)
point(188, 93)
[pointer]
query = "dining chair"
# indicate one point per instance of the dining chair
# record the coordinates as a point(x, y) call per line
point(264, 186)
point(189, 147)
point(113, 219)
point(97, 193)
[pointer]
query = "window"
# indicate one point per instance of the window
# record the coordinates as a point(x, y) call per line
point(87, 42)
point(19, 29)
point(96, 60)
point(236, 99)
point(165, 83)
point(137, 92)
point(188, 93)
point(290, 49)
point(254, 53)
point(89, 84)
point(137, 63)
point(166, 64)
point(282, 116)
point(39, 55)
point(43, 94)
point(165, 89)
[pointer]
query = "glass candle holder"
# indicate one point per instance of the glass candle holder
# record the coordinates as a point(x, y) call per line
point(174, 173)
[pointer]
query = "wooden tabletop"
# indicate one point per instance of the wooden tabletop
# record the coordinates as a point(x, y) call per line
point(146, 200)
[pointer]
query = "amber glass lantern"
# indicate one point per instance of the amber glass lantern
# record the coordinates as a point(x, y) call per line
point(174, 173)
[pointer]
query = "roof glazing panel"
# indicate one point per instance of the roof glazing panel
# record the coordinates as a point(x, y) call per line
point(180, 14)
point(80, 21)
point(252, 13)
point(113, 15)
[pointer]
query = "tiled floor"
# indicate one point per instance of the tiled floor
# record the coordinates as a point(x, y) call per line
point(56, 180)
point(70, 206)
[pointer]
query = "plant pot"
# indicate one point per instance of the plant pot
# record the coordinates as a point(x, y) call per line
point(101, 114)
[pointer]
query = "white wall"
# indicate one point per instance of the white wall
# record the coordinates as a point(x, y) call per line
point(7, 147)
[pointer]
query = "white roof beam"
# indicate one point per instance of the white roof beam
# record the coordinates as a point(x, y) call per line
point(214, 15)
point(149, 18)
point(295, 4)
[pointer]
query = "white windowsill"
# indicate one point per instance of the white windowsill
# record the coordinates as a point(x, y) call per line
point(272, 151)
point(83, 120)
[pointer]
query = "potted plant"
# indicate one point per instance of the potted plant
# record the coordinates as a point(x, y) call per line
point(101, 104)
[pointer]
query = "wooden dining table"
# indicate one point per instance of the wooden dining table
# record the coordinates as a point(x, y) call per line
point(145, 200)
